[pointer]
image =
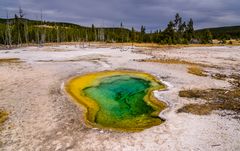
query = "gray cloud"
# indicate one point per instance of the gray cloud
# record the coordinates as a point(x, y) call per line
point(153, 14)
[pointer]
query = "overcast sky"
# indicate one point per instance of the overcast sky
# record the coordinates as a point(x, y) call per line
point(154, 14)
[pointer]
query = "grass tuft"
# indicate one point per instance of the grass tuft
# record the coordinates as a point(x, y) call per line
point(176, 61)
point(195, 70)
point(10, 60)
point(197, 109)
point(169, 61)
point(3, 116)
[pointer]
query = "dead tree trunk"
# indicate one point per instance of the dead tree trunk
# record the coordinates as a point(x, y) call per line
point(8, 34)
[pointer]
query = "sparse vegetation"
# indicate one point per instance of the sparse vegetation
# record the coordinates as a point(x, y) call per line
point(10, 60)
point(219, 76)
point(224, 33)
point(217, 99)
point(235, 80)
point(195, 70)
point(170, 61)
point(197, 109)
point(3, 116)
point(175, 61)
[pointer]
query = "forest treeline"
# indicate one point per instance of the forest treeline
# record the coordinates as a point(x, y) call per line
point(19, 30)
point(224, 33)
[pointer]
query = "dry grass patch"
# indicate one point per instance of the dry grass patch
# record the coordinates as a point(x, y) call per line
point(176, 61)
point(195, 70)
point(217, 99)
point(3, 116)
point(155, 45)
point(197, 109)
point(169, 61)
point(10, 60)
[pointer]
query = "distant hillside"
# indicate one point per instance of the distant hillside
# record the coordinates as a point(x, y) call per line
point(227, 32)
point(46, 31)
point(49, 23)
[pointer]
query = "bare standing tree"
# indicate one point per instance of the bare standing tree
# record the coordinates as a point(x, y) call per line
point(19, 20)
point(86, 40)
point(101, 34)
point(121, 26)
point(21, 14)
point(43, 35)
point(58, 39)
point(25, 25)
point(95, 35)
point(26, 32)
point(79, 39)
point(8, 33)
point(37, 34)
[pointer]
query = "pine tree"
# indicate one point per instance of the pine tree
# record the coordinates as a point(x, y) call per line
point(133, 35)
point(190, 30)
point(169, 33)
point(177, 22)
point(206, 37)
point(121, 26)
point(142, 34)
point(93, 33)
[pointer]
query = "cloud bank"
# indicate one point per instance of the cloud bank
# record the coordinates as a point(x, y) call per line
point(154, 14)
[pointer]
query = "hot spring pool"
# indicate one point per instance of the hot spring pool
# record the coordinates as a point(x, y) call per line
point(119, 100)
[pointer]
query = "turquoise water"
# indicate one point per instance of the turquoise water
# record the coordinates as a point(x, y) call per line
point(121, 103)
